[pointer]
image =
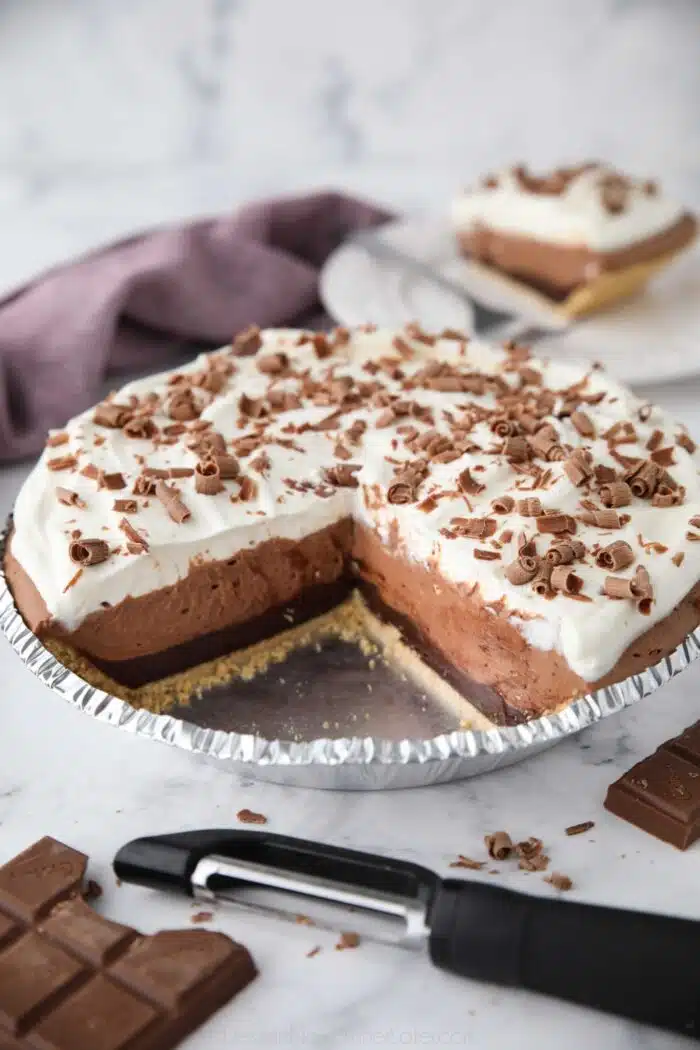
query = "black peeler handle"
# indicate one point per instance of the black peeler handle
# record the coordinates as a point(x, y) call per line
point(642, 966)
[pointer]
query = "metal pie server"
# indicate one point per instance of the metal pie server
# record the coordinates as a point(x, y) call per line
point(642, 966)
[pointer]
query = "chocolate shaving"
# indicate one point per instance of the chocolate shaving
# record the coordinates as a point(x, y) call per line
point(228, 466)
point(678, 559)
point(57, 439)
point(69, 498)
point(170, 498)
point(583, 424)
point(342, 475)
point(516, 449)
point(135, 537)
point(474, 528)
point(141, 427)
point(685, 441)
point(247, 342)
point(616, 556)
point(485, 555)
point(125, 506)
point(207, 478)
point(618, 587)
point(112, 482)
point(208, 444)
point(73, 580)
point(61, 463)
point(468, 485)
point(144, 486)
point(252, 407)
point(88, 552)
point(248, 489)
point(542, 583)
point(644, 478)
point(578, 467)
point(111, 414)
point(182, 406)
point(272, 364)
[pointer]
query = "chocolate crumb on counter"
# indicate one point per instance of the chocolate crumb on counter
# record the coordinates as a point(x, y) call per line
point(467, 862)
point(313, 951)
point(201, 916)
point(559, 881)
point(92, 891)
point(580, 829)
point(347, 940)
point(248, 816)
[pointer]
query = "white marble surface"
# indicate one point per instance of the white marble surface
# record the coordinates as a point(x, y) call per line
point(120, 113)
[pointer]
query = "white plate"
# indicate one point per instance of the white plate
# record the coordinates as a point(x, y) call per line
point(654, 337)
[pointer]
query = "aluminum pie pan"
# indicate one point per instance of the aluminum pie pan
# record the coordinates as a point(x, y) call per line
point(360, 763)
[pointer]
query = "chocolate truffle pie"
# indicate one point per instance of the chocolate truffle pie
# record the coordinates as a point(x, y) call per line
point(529, 529)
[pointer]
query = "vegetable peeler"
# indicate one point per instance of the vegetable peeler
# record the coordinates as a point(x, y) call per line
point(641, 966)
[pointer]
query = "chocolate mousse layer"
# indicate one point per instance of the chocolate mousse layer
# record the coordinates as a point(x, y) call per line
point(218, 607)
point(225, 606)
point(557, 269)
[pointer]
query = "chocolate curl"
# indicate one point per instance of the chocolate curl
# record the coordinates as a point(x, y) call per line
point(530, 508)
point(618, 587)
point(125, 506)
point(516, 449)
point(604, 519)
point(401, 492)
point(604, 475)
point(578, 466)
point(555, 523)
point(615, 494)
point(499, 846)
point(142, 428)
point(583, 424)
point(69, 498)
point(209, 444)
point(668, 497)
point(615, 556)
point(88, 552)
point(110, 414)
point(686, 442)
point(503, 504)
point(137, 540)
point(182, 406)
point(207, 478)
point(474, 528)
point(505, 428)
point(61, 463)
point(643, 480)
point(228, 466)
point(169, 497)
point(643, 590)
point(542, 583)
point(564, 580)
point(522, 570)
point(564, 552)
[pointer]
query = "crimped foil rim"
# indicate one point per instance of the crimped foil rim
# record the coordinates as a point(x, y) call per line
point(251, 749)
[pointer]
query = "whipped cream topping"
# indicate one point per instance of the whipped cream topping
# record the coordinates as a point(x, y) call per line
point(412, 418)
point(592, 206)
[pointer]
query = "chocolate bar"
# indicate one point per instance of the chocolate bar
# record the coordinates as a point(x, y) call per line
point(661, 794)
point(73, 980)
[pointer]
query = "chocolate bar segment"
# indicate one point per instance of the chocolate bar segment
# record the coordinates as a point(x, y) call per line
point(73, 980)
point(661, 794)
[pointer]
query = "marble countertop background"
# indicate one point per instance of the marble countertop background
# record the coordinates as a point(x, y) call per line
point(115, 114)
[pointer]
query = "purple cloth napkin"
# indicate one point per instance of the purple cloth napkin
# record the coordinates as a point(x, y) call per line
point(134, 305)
